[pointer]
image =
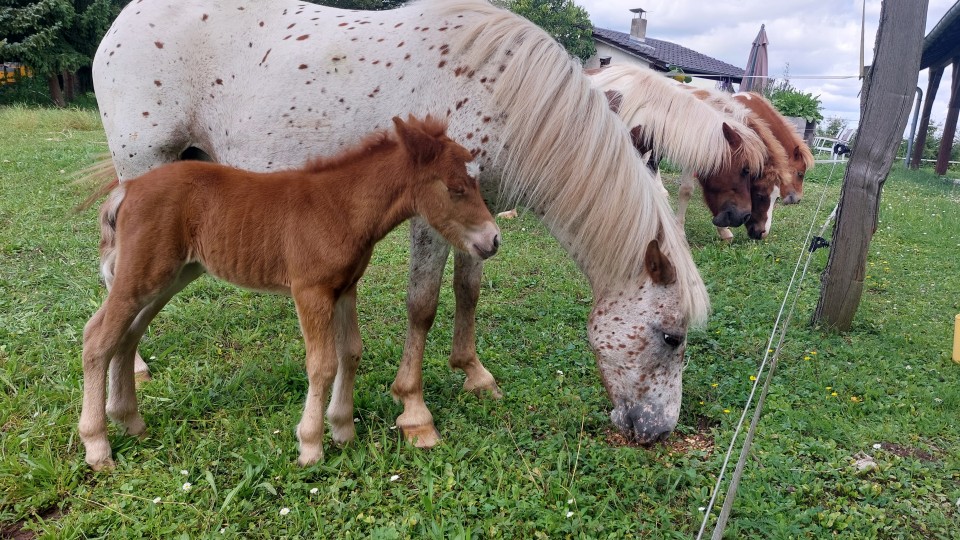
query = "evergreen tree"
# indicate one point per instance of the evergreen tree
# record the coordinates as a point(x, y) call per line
point(55, 37)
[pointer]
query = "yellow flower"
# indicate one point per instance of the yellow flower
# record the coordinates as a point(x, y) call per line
point(714, 385)
point(753, 378)
point(855, 399)
point(829, 388)
point(834, 394)
point(806, 357)
point(813, 353)
point(726, 411)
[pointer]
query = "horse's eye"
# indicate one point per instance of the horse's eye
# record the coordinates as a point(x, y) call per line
point(800, 174)
point(458, 191)
point(745, 172)
point(672, 340)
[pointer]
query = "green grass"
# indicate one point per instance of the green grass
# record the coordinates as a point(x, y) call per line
point(229, 386)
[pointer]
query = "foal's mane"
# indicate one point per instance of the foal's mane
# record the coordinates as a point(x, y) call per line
point(687, 130)
point(566, 154)
point(375, 143)
point(805, 154)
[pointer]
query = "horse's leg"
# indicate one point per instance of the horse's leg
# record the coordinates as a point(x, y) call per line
point(467, 276)
point(315, 307)
point(428, 256)
point(725, 234)
point(349, 347)
point(122, 396)
point(687, 184)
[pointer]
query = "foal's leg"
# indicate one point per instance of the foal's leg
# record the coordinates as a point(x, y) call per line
point(349, 348)
point(467, 276)
point(428, 256)
point(315, 307)
point(122, 398)
point(687, 185)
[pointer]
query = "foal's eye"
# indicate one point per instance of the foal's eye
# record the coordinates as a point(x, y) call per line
point(672, 340)
point(456, 191)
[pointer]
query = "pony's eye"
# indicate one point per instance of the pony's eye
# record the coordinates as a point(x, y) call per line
point(745, 172)
point(672, 340)
point(456, 191)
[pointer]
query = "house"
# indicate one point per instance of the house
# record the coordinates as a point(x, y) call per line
point(637, 48)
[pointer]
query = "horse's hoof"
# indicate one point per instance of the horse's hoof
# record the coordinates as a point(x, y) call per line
point(425, 436)
point(102, 465)
point(490, 390)
point(307, 459)
point(141, 377)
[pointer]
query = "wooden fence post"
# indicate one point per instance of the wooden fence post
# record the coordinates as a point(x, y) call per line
point(933, 84)
point(884, 109)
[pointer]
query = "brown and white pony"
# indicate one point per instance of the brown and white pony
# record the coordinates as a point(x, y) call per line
point(308, 233)
point(722, 151)
point(798, 153)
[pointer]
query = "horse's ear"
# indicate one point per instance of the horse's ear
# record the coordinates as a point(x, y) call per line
point(797, 154)
point(657, 264)
point(422, 147)
point(732, 136)
point(614, 99)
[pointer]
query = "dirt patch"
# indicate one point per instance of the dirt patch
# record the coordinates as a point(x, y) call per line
point(907, 452)
point(16, 531)
point(699, 441)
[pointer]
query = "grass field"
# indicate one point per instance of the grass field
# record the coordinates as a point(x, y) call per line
point(228, 389)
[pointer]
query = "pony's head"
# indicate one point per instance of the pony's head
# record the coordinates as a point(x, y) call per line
point(445, 193)
point(638, 334)
point(769, 185)
point(800, 161)
point(727, 191)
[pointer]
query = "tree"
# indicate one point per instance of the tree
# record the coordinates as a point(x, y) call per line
point(55, 37)
point(832, 127)
point(567, 22)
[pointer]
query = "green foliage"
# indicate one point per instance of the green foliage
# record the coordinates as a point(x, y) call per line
point(792, 102)
point(229, 386)
point(832, 127)
point(567, 22)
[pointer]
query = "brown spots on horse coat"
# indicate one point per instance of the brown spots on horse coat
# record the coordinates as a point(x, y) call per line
point(219, 81)
point(303, 37)
point(205, 17)
point(302, 66)
point(261, 24)
point(401, 44)
point(264, 59)
point(398, 25)
point(158, 83)
point(159, 44)
point(146, 114)
point(442, 63)
point(343, 24)
point(291, 25)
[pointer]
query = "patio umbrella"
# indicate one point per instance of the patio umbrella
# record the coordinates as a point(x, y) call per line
point(755, 77)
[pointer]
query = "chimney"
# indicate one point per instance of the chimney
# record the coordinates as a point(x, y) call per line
point(638, 26)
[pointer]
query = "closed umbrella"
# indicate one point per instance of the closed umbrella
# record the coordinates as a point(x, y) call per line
point(755, 77)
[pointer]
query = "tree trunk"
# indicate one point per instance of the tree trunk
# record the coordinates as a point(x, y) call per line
point(54, 83)
point(69, 86)
point(933, 84)
point(885, 107)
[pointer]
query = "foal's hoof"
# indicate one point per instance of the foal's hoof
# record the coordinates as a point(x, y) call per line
point(425, 436)
point(102, 465)
point(141, 377)
point(490, 390)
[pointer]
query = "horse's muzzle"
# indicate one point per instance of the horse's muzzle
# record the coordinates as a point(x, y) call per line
point(731, 218)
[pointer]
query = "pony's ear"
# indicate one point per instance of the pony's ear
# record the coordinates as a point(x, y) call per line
point(657, 264)
point(732, 136)
point(796, 153)
point(614, 99)
point(422, 147)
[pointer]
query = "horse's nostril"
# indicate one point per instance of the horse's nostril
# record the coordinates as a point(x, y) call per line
point(496, 241)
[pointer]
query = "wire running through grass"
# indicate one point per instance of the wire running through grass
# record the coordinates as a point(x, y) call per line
point(748, 440)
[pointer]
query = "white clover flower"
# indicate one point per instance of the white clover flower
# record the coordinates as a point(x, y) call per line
point(702, 509)
point(187, 486)
point(156, 500)
point(559, 372)
point(569, 501)
point(276, 432)
point(877, 446)
point(314, 491)
point(184, 472)
point(284, 511)
point(569, 514)
point(394, 478)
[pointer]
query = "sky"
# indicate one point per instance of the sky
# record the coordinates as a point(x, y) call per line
point(808, 38)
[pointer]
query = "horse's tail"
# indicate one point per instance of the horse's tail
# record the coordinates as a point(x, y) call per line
point(102, 175)
point(108, 231)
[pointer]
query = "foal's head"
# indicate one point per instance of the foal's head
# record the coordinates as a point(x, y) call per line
point(727, 191)
point(445, 193)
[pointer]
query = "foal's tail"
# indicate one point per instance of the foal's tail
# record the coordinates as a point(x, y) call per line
point(108, 230)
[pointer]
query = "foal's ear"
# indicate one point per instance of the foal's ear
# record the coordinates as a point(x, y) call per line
point(797, 155)
point(422, 147)
point(731, 136)
point(657, 264)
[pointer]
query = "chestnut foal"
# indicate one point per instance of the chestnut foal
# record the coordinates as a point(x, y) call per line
point(308, 233)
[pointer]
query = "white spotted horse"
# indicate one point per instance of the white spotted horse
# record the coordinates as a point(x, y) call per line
point(259, 85)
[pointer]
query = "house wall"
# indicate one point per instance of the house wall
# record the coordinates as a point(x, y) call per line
point(616, 55)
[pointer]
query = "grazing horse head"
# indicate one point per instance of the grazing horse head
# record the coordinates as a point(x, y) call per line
point(639, 336)
point(446, 194)
point(769, 185)
point(799, 157)
point(679, 123)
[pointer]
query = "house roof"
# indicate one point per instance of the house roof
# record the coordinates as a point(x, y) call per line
point(661, 53)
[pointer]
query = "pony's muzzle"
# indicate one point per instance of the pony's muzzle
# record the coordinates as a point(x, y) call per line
point(731, 218)
point(792, 198)
point(645, 424)
point(484, 242)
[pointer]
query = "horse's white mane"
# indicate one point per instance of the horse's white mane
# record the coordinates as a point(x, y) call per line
point(567, 155)
point(675, 124)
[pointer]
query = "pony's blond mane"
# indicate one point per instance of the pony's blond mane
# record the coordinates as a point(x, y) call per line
point(567, 155)
point(685, 130)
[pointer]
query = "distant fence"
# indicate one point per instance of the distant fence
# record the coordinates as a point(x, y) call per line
point(13, 71)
